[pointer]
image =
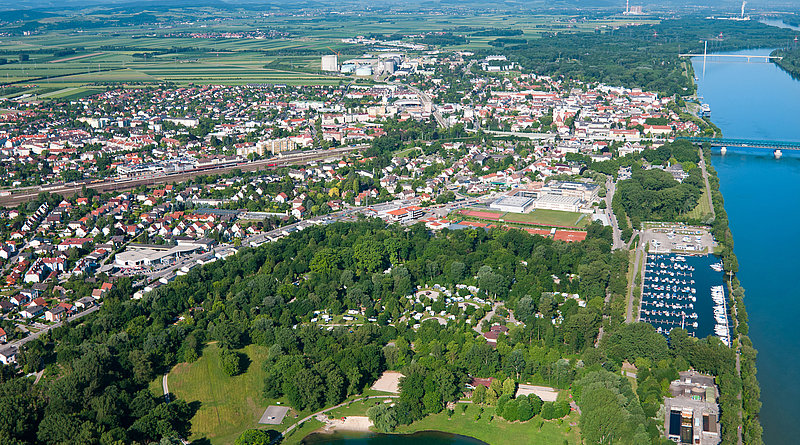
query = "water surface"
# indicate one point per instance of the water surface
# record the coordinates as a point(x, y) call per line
point(760, 101)
point(423, 437)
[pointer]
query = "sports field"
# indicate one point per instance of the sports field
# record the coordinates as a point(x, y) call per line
point(553, 218)
point(539, 217)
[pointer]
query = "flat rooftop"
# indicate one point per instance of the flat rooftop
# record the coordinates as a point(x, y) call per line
point(516, 201)
point(558, 199)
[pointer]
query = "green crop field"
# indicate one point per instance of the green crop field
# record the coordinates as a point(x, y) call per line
point(142, 54)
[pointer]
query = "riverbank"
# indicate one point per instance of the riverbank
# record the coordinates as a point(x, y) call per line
point(790, 61)
point(739, 400)
point(481, 422)
point(759, 195)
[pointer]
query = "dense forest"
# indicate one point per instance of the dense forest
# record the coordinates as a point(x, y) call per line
point(96, 390)
point(654, 195)
point(791, 60)
point(643, 56)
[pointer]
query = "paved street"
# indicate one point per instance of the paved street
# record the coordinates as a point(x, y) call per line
point(34, 335)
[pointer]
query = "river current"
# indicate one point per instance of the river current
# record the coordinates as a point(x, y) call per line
point(758, 100)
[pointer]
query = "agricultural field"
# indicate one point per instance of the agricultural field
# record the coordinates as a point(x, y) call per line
point(146, 54)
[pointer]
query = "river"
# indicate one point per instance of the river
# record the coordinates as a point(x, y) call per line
point(758, 100)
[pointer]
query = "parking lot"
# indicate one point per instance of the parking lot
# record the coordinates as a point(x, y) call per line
point(680, 238)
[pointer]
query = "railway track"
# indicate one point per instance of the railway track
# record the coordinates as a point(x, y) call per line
point(26, 194)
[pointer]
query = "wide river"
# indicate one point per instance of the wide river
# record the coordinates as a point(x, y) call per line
point(758, 100)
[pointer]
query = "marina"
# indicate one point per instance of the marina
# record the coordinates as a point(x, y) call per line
point(688, 292)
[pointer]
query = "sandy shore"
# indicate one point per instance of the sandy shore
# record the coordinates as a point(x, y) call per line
point(349, 423)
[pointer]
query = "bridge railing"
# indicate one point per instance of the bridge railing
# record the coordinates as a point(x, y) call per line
point(726, 142)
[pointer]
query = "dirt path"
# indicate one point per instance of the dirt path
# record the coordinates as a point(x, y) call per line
point(629, 315)
point(488, 316)
point(311, 416)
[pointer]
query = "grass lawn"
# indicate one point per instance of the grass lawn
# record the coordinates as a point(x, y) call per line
point(498, 431)
point(702, 209)
point(156, 388)
point(298, 434)
point(631, 266)
point(546, 217)
point(228, 405)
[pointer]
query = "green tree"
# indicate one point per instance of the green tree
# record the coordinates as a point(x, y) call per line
point(479, 394)
point(509, 387)
point(230, 361)
point(384, 417)
point(253, 437)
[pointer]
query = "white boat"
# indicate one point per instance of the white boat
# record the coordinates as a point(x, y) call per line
point(717, 267)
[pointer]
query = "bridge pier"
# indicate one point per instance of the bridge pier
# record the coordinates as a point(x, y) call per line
point(724, 142)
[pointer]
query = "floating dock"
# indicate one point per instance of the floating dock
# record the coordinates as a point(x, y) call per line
point(682, 291)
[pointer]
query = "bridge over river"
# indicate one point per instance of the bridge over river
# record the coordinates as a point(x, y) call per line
point(751, 143)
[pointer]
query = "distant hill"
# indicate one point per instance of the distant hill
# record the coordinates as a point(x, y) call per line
point(72, 5)
point(27, 14)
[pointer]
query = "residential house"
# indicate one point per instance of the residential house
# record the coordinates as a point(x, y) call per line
point(31, 312)
point(8, 355)
point(85, 302)
point(55, 314)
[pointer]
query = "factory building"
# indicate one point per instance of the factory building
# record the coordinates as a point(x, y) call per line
point(330, 63)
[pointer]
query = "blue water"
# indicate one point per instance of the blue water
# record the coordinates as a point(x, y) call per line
point(760, 101)
point(423, 437)
point(669, 282)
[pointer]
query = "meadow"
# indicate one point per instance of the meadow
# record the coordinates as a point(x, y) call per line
point(227, 405)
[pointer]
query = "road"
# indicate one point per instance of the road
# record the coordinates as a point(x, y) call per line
point(611, 188)
point(309, 417)
point(428, 103)
point(34, 335)
point(488, 316)
point(518, 134)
